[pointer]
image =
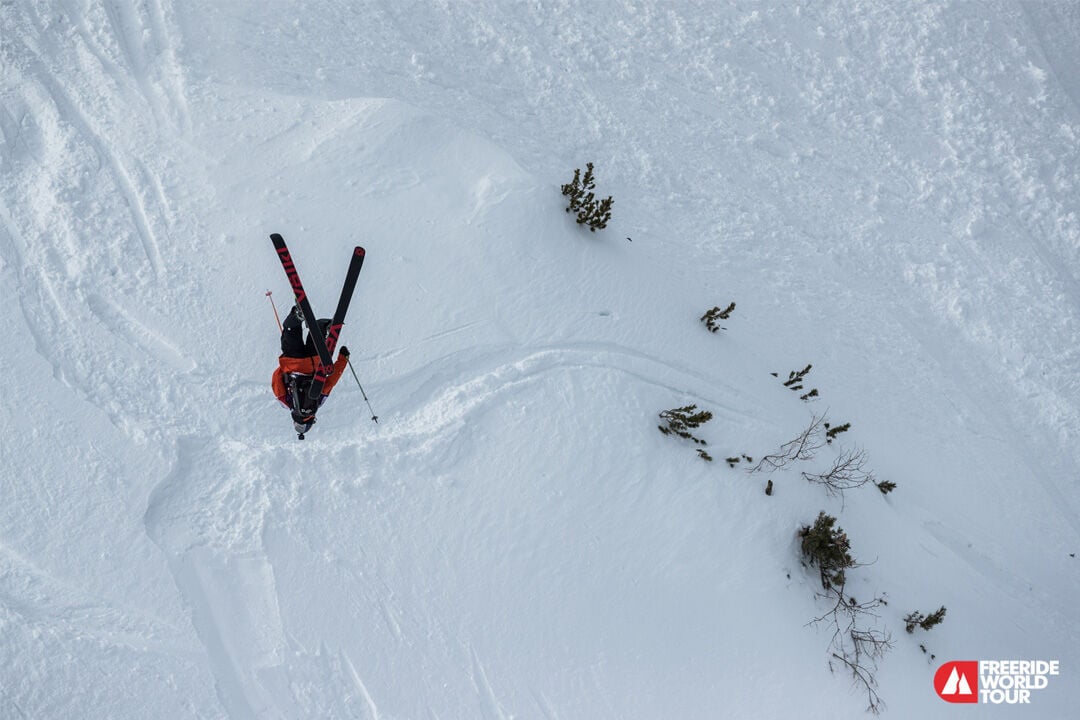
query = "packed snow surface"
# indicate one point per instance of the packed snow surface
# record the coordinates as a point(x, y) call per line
point(889, 191)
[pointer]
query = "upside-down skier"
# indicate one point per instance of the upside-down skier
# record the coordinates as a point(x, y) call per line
point(306, 370)
point(297, 365)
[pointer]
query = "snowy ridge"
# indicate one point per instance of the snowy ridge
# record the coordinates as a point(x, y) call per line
point(886, 190)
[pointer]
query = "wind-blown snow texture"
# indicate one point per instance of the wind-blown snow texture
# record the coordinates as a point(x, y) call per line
point(887, 190)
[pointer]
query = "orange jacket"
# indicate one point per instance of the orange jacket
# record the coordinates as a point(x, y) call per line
point(307, 366)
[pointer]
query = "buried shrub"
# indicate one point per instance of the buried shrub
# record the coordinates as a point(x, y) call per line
point(856, 643)
point(917, 619)
point(680, 421)
point(590, 211)
point(828, 548)
point(711, 316)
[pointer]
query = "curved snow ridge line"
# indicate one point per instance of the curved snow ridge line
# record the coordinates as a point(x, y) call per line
point(1050, 462)
point(457, 401)
point(232, 592)
point(236, 613)
point(209, 522)
point(135, 333)
point(215, 496)
point(344, 116)
point(390, 183)
point(12, 243)
point(59, 326)
point(43, 601)
point(1031, 362)
point(132, 48)
point(1014, 585)
point(69, 112)
point(165, 26)
point(14, 148)
point(42, 320)
point(492, 709)
point(369, 702)
point(137, 41)
point(315, 684)
point(1050, 25)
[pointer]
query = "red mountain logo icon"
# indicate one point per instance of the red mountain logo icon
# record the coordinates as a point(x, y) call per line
point(958, 682)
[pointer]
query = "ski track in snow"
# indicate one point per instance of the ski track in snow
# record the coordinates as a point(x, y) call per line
point(208, 516)
point(83, 224)
point(439, 406)
point(59, 132)
point(43, 603)
point(70, 113)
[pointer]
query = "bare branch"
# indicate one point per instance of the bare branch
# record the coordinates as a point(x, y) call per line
point(802, 447)
point(861, 675)
point(855, 641)
point(847, 472)
point(856, 646)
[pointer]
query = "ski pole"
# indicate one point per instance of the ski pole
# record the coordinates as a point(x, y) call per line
point(373, 415)
point(270, 296)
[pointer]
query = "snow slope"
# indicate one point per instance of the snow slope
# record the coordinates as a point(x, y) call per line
point(886, 190)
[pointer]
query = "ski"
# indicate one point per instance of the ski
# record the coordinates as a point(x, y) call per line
point(334, 331)
point(323, 346)
point(325, 358)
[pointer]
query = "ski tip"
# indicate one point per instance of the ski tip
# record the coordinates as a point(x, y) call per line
point(276, 237)
point(359, 251)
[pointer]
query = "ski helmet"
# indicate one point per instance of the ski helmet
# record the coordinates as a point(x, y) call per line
point(302, 423)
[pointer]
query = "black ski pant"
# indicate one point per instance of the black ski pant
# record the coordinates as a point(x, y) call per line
point(292, 338)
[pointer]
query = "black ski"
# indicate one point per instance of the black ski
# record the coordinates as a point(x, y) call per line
point(325, 358)
point(323, 346)
point(334, 331)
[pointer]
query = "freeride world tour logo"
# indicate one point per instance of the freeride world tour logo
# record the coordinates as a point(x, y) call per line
point(1009, 682)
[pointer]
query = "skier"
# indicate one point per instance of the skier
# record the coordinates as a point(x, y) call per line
point(296, 368)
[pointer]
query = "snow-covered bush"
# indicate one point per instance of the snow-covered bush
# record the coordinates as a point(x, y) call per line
point(590, 211)
point(924, 621)
point(795, 382)
point(680, 421)
point(885, 486)
point(832, 431)
point(827, 547)
point(711, 316)
point(856, 643)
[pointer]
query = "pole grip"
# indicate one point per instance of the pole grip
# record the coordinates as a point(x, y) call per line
point(270, 297)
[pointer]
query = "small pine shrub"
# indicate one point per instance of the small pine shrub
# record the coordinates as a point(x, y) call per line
point(711, 316)
point(680, 421)
point(832, 432)
point(886, 486)
point(590, 211)
point(736, 459)
point(924, 621)
point(827, 547)
point(795, 382)
point(795, 378)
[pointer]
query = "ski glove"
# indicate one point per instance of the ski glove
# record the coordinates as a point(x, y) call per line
point(344, 351)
